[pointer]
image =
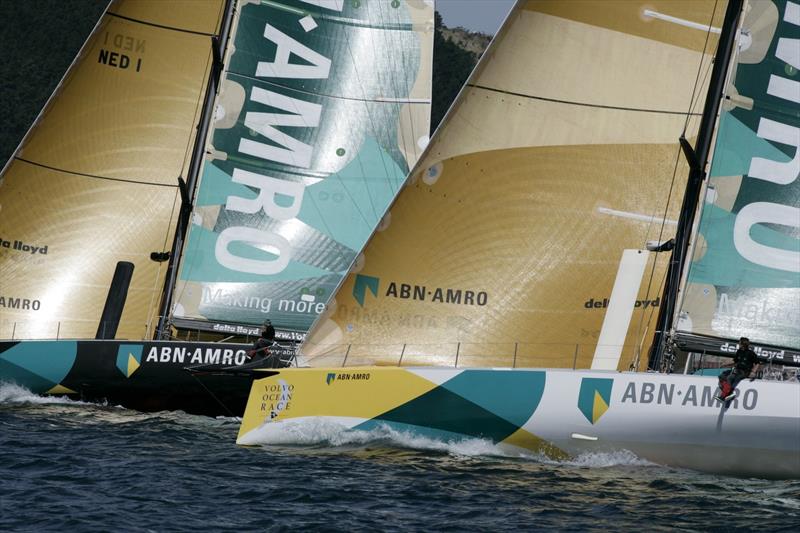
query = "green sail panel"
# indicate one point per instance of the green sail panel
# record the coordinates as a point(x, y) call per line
point(744, 277)
point(324, 107)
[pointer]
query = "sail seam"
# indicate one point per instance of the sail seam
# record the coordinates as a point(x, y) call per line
point(582, 104)
point(161, 25)
point(93, 175)
point(376, 99)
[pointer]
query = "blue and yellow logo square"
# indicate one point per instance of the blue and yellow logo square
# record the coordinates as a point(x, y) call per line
point(129, 358)
point(594, 397)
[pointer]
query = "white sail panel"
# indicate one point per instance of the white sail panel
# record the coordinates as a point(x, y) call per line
point(95, 180)
point(504, 246)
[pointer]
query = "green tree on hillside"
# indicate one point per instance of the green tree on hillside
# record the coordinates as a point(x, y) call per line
point(451, 68)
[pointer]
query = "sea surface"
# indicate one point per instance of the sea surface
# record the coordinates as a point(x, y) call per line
point(67, 465)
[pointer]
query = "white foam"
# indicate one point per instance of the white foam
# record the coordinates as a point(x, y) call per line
point(607, 459)
point(11, 393)
point(314, 431)
point(327, 432)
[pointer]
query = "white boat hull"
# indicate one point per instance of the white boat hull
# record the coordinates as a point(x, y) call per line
point(667, 419)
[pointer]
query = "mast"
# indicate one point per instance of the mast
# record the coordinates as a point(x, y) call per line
point(697, 159)
point(219, 44)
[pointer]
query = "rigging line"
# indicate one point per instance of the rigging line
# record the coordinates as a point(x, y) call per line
point(155, 291)
point(169, 224)
point(407, 83)
point(121, 180)
point(224, 26)
point(651, 311)
point(163, 27)
point(396, 41)
point(581, 104)
point(198, 112)
point(696, 87)
point(696, 103)
point(642, 321)
point(213, 395)
point(386, 81)
point(693, 101)
point(358, 160)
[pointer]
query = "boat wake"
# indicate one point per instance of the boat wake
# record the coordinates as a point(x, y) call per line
point(95, 413)
point(326, 433)
point(11, 393)
point(607, 459)
point(329, 434)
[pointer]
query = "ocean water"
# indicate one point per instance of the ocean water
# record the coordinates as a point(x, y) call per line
point(87, 467)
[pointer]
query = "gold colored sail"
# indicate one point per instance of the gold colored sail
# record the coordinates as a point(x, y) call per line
point(95, 180)
point(560, 154)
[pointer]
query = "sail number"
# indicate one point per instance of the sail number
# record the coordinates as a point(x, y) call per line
point(121, 59)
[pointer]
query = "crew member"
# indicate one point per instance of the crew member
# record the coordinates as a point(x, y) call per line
point(743, 363)
point(263, 342)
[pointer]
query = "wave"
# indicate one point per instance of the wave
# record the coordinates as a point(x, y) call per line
point(11, 393)
point(316, 432)
point(607, 459)
point(98, 413)
point(327, 433)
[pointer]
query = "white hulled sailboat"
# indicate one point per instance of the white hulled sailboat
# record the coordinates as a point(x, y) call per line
point(520, 272)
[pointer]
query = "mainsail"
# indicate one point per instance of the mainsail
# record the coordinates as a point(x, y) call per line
point(519, 239)
point(744, 278)
point(95, 180)
point(324, 106)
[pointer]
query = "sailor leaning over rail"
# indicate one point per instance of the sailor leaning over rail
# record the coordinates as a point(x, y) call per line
point(261, 346)
point(743, 363)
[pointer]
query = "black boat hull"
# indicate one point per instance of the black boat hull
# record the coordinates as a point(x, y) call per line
point(146, 376)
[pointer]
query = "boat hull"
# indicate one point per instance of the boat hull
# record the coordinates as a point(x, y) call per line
point(146, 376)
point(667, 419)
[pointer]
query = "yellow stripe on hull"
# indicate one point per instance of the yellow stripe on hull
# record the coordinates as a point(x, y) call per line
point(447, 405)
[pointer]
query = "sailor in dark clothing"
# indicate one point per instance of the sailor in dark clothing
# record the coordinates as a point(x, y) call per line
point(263, 343)
point(743, 363)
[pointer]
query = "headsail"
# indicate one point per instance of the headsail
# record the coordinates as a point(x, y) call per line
point(539, 191)
point(324, 107)
point(95, 180)
point(744, 278)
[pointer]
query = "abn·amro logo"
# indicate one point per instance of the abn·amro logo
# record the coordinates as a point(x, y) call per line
point(360, 286)
point(594, 397)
